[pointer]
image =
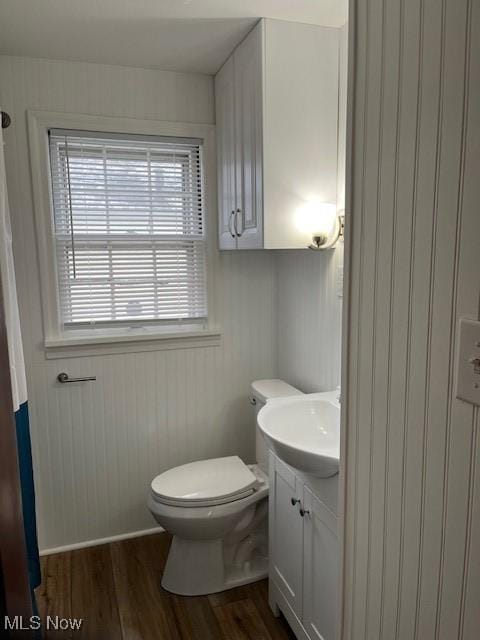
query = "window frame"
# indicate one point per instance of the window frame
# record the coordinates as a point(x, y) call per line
point(55, 336)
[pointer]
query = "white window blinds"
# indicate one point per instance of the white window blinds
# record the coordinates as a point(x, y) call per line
point(129, 228)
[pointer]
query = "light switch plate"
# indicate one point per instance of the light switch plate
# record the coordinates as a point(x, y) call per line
point(468, 374)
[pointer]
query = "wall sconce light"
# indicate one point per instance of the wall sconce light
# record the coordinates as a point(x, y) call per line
point(329, 240)
point(323, 222)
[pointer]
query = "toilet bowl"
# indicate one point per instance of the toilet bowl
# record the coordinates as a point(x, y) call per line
point(217, 511)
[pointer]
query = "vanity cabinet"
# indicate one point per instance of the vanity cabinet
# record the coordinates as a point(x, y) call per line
point(276, 101)
point(286, 534)
point(320, 577)
point(303, 574)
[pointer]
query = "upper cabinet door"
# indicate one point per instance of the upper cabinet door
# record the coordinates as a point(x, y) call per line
point(225, 117)
point(321, 569)
point(248, 141)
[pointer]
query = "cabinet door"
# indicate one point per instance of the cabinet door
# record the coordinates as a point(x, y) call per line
point(286, 534)
point(225, 118)
point(320, 569)
point(248, 137)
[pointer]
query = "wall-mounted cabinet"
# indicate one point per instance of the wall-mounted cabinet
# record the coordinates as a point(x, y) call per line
point(276, 114)
point(238, 90)
point(303, 570)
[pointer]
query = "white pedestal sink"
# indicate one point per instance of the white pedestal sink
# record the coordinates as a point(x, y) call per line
point(304, 431)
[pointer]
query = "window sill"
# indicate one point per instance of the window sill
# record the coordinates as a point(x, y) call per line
point(84, 344)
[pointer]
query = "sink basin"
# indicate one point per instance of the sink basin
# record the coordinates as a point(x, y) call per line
point(304, 431)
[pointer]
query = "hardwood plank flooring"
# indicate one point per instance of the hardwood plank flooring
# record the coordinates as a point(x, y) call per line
point(93, 594)
point(54, 594)
point(115, 589)
point(240, 620)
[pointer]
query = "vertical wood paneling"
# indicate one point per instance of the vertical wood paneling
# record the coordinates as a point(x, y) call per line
point(309, 318)
point(468, 266)
point(385, 270)
point(97, 446)
point(412, 500)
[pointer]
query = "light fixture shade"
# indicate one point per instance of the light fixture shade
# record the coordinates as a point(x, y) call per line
point(317, 218)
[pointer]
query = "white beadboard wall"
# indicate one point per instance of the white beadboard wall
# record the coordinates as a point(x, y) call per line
point(309, 318)
point(97, 446)
point(412, 546)
point(309, 290)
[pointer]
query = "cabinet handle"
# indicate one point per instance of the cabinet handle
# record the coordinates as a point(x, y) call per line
point(230, 224)
point(294, 501)
point(239, 233)
point(303, 512)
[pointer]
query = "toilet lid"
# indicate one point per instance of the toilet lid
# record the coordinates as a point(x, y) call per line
point(205, 482)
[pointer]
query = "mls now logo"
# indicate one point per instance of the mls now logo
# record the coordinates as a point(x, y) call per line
point(19, 623)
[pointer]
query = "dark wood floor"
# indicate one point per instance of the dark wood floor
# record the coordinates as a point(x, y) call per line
point(116, 589)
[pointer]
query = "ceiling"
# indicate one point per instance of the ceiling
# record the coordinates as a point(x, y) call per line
point(178, 35)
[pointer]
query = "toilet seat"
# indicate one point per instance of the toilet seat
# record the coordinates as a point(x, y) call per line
point(206, 483)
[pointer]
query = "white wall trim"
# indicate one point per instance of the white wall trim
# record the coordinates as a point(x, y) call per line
point(346, 313)
point(100, 541)
point(108, 345)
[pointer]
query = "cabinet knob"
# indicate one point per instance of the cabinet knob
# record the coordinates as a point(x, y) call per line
point(294, 501)
point(303, 512)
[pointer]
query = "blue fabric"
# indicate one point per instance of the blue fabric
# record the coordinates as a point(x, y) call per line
point(28, 494)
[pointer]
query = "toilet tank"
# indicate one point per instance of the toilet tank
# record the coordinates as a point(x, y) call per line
point(261, 391)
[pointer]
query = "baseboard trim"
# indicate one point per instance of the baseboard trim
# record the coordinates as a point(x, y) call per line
point(100, 541)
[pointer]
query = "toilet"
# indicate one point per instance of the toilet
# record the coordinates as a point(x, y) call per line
point(217, 512)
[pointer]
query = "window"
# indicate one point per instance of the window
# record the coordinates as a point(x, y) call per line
point(128, 229)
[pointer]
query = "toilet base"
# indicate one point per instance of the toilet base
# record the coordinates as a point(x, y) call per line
point(198, 567)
